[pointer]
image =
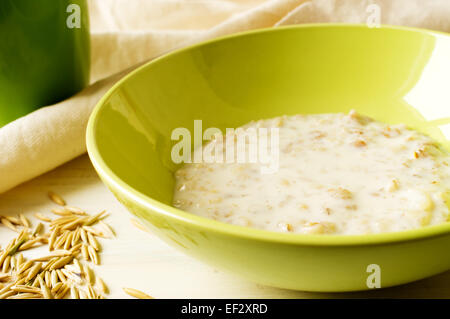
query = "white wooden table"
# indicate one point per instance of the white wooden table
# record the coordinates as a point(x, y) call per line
point(140, 260)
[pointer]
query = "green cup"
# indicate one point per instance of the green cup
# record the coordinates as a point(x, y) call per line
point(44, 54)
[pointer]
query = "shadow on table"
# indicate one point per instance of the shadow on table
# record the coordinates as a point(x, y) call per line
point(434, 287)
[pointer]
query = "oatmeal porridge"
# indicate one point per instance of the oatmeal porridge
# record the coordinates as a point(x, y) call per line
point(336, 174)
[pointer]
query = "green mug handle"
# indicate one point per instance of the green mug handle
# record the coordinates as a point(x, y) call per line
point(44, 54)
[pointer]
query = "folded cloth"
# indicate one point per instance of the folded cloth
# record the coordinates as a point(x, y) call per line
point(127, 33)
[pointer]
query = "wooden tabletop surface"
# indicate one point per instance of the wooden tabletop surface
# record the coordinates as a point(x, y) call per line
point(140, 260)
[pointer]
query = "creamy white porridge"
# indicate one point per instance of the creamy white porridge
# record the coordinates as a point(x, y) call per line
point(337, 174)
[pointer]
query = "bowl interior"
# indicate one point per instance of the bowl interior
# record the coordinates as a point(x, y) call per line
point(396, 75)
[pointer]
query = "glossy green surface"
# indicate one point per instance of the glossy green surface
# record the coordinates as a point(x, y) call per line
point(393, 74)
point(42, 61)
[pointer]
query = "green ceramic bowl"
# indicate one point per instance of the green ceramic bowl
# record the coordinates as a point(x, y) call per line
point(393, 74)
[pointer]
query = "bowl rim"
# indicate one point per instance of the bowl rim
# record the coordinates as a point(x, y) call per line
point(206, 224)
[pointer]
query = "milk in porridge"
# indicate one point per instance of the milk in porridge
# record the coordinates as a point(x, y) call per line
point(337, 174)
